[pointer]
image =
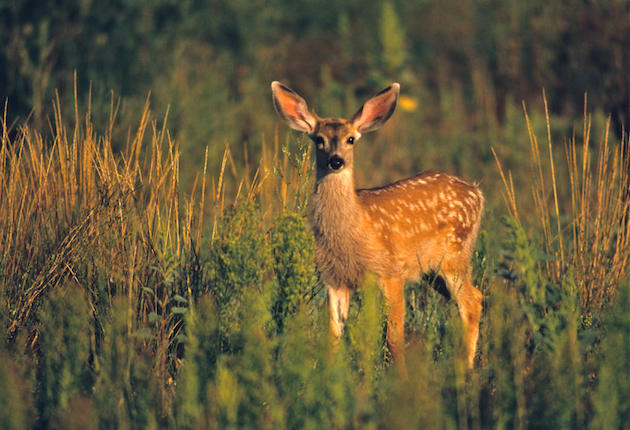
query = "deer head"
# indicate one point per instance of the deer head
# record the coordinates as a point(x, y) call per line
point(334, 138)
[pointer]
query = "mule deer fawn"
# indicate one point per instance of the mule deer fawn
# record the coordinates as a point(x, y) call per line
point(425, 223)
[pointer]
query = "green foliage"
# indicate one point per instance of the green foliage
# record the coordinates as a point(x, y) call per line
point(610, 400)
point(211, 61)
point(293, 248)
point(504, 342)
point(234, 371)
point(550, 309)
point(234, 389)
point(124, 391)
point(16, 401)
point(427, 314)
point(417, 401)
point(548, 315)
point(315, 381)
point(238, 267)
point(117, 316)
point(225, 396)
point(365, 333)
point(65, 344)
point(392, 40)
point(244, 391)
point(199, 364)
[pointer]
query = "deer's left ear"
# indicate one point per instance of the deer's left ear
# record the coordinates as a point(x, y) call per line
point(377, 110)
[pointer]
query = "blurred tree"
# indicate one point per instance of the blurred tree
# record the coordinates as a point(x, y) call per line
point(131, 47)
point(392, 40)
point(113, 44)
point(587, 52)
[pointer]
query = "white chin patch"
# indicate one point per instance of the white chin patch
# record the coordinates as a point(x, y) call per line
point(345, 173)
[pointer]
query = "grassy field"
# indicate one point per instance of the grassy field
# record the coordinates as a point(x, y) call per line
point(139, 292)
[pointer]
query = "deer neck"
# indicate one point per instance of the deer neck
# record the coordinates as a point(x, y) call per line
point(337, 221)
point(336, 204)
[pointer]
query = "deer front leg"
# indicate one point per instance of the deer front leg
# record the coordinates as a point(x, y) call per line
point(393, 290)
point(339, 302)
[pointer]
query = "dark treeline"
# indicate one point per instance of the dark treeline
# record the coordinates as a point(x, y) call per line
point(508, 49)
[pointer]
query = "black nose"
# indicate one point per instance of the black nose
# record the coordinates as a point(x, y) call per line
point(336, 162)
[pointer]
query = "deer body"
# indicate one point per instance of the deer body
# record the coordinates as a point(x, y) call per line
point(425, 223)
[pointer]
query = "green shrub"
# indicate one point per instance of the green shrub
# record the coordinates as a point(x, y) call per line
point(254, 368)
point(198, 366)
point(610, 400)
point(125, 391)
point(293, 249)
point(64, 374)
point(16, 401)
point(238, 266)
point(242, 393)
point(315, 381)
point(365, 329)
point(549, 308)
point(504, 362)
point(545, 348)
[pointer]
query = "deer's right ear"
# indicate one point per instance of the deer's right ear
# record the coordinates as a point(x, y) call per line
point(292, 108)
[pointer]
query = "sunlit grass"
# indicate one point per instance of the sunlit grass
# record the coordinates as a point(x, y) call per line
point(131, 301)
point(587, 235)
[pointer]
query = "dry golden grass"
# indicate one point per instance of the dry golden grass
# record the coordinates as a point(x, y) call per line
point(72, 197)
point(592, 240)
point(72, 207)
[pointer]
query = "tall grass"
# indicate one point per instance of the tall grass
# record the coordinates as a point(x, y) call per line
point(129, 301)
point(582, 209)
point(74, 215)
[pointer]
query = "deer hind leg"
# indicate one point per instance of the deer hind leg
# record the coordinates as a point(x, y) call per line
point(468, 300)
point(393, 290)
point(339, 302)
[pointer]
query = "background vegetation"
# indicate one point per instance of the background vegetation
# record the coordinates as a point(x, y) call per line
point(156, 269)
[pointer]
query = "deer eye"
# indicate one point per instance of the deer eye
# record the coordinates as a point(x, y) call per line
point(350, 140)
point(319, 141)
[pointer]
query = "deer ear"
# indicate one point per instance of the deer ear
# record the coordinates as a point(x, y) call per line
point(292, 108)
point(377, 110)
